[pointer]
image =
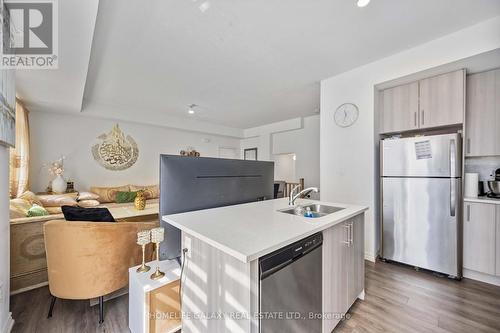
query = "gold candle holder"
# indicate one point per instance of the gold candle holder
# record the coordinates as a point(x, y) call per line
point(157, 236)
point(143, 238)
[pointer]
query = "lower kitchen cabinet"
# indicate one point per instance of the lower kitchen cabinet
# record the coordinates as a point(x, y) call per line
point(480, 237)
point(356, 281)
point(498, 241)
point(343, 251)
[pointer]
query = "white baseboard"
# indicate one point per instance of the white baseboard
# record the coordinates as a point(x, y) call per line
point(9, 323)
point(478, 276)
point(369, 257)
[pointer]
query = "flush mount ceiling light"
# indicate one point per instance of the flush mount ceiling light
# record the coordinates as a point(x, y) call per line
point(363, 3)
point(191, 108)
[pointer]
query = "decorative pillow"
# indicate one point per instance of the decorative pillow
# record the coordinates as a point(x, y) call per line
point(122, 197)
point(58, 200)
point(37, 210)
point(87, 196)
point(31, 198)
point(150, 191)
point(108, 194)
point(54, 210)
point(87, 214)
point(19, 208)
point(88, 203)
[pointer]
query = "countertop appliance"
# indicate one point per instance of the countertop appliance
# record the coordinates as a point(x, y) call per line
point(494, 186)
point(194, 183)
point(291, 288)
point(421, 202)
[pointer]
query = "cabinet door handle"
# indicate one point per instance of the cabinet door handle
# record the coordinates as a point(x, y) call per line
point(468, 213)
point(346, 226)
point(351, 227)
point(423, 117)
point(468, 145)
point(415, 118)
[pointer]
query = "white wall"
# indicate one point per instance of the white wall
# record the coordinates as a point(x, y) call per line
point(348, 154)
point(5, 316)
point(284, 167)
point(304, 143)
point(54, 134)
point(299, 136)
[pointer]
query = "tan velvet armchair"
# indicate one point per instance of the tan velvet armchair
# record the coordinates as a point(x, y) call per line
point(91, 259)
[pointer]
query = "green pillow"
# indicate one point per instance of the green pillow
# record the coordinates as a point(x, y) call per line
point(122, 197)
point(37, 210)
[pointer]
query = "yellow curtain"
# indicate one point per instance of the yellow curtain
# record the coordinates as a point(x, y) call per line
point(19, 156)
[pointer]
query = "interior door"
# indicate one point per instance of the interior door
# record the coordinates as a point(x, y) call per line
point(420, 222)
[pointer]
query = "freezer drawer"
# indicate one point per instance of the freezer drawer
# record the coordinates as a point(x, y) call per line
point(422, 222)
point(425, 156)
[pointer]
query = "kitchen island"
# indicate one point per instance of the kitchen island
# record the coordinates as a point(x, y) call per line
point(220, 284)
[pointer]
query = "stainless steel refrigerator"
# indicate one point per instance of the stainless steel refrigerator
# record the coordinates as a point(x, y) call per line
point(421, 202)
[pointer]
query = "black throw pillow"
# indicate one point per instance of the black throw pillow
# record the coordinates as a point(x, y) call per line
point(87, 214)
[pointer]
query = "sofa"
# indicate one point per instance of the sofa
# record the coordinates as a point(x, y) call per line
point(27, 248)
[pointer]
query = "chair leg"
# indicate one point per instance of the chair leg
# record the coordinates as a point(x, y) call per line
point(101, 309)
point(52, 302)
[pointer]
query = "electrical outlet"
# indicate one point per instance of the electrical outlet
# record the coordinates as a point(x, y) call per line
point(187, 245)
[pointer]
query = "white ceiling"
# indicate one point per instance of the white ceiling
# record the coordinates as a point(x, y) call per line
point(246, 63)
point(62, 90)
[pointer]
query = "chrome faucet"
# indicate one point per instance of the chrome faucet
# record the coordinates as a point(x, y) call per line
point(293, 196)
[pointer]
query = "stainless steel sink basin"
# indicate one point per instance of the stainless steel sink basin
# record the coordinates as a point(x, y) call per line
point(311, 210)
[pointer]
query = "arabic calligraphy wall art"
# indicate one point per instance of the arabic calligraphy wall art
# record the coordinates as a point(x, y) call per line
point(115, 151)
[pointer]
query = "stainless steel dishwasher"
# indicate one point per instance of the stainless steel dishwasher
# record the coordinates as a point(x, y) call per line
point(291, 288)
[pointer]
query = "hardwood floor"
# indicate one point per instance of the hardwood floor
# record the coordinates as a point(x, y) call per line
point(398, 299)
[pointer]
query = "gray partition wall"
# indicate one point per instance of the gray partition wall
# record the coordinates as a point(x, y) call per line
point(194, 183)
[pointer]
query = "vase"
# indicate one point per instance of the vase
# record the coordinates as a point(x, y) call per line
point(59, 184)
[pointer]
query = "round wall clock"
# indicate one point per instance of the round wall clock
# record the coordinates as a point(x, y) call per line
point(346, 115)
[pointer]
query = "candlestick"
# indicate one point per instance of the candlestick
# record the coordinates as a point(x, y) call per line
point(143, 238)
point(157, 236)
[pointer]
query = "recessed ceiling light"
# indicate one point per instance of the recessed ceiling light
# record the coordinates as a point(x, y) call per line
point(191, 108)
point(363, 3)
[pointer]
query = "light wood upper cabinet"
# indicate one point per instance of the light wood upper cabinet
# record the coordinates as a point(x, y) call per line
point(398, 108)
point(483, 114)
point(479, 237)
point(432, 102)
point(442, 99)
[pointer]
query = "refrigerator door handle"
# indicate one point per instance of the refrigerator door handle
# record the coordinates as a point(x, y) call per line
point(453, 196)
point(453, 158)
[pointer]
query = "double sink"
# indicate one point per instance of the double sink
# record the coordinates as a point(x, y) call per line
point(311, 210)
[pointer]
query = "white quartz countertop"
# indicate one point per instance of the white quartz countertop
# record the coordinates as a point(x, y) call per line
point(484, 200)
point(249, 231)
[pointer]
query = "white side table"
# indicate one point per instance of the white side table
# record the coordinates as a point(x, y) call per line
point(153, 304)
